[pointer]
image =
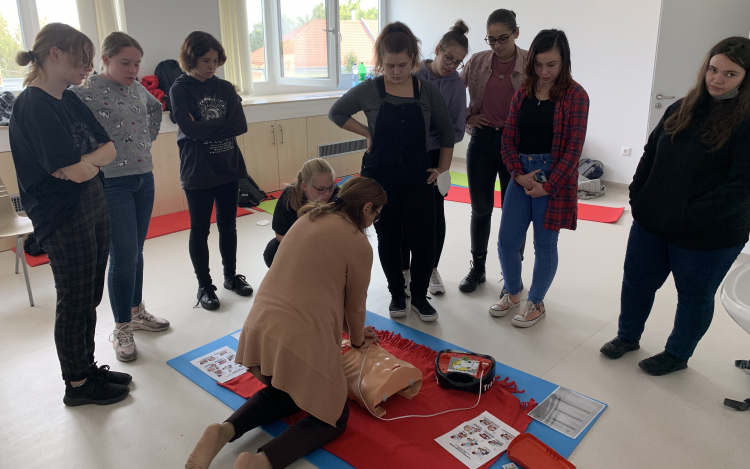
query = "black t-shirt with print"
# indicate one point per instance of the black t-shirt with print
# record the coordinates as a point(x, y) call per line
point(284, 216)
point(47, 134)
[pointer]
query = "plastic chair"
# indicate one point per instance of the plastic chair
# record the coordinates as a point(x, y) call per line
point(12, 224)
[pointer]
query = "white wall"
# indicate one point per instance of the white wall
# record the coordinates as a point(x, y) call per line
point(160, 26)
point(613, 46)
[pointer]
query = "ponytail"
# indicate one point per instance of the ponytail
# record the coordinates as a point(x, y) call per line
point(354, 194)
point(456, 34)
point(309, 170)
point(394, 39)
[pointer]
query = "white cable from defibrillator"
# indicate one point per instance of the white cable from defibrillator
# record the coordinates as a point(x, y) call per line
point(359, 388)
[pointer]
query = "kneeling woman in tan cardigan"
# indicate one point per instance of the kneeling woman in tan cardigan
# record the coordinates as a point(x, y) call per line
point(291, 339)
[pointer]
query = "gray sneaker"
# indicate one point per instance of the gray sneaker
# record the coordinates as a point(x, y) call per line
point(145, 321)
point(122, 342)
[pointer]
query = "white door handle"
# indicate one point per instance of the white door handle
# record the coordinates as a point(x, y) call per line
point(659, 96)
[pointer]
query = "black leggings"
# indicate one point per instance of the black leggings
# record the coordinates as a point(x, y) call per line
point(200, 204)
point(439, 222)
point(271, 404)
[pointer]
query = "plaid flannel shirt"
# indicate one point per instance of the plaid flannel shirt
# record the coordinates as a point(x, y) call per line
point(571, 117)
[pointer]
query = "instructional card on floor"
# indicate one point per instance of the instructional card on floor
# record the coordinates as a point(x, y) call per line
point(219, 364)
point(567, 412)
point(478, 441)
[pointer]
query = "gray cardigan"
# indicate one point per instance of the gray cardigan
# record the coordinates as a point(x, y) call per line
point(132, 118)
point(365, 97)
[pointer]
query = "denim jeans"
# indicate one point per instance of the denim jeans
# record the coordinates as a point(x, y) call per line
point(519, 211)
point(130, 200)
point(200, 205)
point(697, 275)
point(484, 164)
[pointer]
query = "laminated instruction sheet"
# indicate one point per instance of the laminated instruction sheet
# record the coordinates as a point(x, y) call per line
point(478, 441)
point(567, 412)
point(219, 364)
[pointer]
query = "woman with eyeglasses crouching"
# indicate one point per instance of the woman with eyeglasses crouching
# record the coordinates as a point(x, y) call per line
point(315, 183)
point(291, 340)
point(492, 77)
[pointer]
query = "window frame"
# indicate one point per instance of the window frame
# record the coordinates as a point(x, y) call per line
point(275, 81)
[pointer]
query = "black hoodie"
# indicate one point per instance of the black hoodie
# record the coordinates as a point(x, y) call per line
point(693, 197)
point(209, 155)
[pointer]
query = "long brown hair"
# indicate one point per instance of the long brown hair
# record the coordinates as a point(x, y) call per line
point(64, 37)
point(545, 41)
point(396, 38)
point(309, 170)
point(726, 115)
point(355, 193)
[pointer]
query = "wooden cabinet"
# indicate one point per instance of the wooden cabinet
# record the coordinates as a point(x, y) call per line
point(320, 130)
point(169, 196)
point(274, 151)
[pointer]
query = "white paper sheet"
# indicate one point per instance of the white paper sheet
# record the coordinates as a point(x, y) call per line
point(236, 335)
point(567, 412)
point(478, 441)
point(219, 365)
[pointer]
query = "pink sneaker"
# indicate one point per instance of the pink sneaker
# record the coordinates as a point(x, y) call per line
point(145, 321)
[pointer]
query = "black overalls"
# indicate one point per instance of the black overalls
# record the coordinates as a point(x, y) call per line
point(398, 160)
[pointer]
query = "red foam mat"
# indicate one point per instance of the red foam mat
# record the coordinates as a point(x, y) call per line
point(586, 212)
point(159, 226)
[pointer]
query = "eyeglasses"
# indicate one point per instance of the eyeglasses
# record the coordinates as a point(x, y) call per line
point(377, 215)
point(494, 40)
point(448, 60)
point(324, 190)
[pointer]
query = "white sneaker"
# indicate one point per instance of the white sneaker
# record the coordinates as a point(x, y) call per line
point(503, 307)
point(407, 282)
point(519, 320)
point(145, 321)
point(123, 343)
point(436, 283)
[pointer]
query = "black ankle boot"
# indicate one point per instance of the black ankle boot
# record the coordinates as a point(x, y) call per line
point(476, 274)
point(207, 298)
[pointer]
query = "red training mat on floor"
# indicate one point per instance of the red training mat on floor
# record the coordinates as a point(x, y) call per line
point(159, 226)
point(34, 261)
point(587, 212)
point(369, 443)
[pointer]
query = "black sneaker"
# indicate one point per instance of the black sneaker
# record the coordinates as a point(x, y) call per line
point(114, 377)
point(472, 280)
point(617, 347)
point(662, 364)
point(207, 298)
point(239, 285)
point(96, 390)
point(397, 308)
point(504, 291)
point(425, 310)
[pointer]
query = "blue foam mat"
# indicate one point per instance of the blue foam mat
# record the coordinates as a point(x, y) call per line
point(535, 388)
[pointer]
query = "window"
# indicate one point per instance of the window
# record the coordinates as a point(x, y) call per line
point(20, 20)
point(311, 42)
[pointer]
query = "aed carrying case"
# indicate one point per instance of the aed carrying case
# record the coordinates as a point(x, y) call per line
point(464, 371)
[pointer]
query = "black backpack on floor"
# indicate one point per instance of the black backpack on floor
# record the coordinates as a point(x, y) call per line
point(250, 194)
point(167, 72)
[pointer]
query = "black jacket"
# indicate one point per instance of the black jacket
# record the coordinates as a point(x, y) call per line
point(694, 197)
point(209, 155)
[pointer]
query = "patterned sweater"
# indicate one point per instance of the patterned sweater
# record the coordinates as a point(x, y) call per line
point(132, 118)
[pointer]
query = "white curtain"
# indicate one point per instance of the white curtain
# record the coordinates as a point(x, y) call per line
point(106, 17)
point(235, 39)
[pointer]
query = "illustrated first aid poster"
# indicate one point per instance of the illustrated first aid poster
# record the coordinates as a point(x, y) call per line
point(219, 365)
point(478, 441)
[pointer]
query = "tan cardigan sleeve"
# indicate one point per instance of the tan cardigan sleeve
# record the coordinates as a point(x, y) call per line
point(357, 282)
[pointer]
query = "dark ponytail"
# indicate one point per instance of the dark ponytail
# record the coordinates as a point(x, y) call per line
point(354, 194)
point(396, 38)
point(456, 34)
point(503, 16)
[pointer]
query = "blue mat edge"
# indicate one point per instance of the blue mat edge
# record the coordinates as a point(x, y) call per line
point(536, 388)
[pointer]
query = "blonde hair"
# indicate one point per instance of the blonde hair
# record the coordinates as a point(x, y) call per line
point(64, 37)
point(309, 170)
point(116, 42)
point(355, 193)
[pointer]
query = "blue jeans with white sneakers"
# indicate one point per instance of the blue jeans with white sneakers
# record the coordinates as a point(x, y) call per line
point(519, 211)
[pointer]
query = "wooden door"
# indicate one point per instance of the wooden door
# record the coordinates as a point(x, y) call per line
point(260, 150)
point(291, 137)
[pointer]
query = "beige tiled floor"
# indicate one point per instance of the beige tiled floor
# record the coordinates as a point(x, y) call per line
point(676, 421)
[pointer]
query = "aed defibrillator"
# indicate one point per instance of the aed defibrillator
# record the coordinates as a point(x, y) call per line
point(464, 371)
